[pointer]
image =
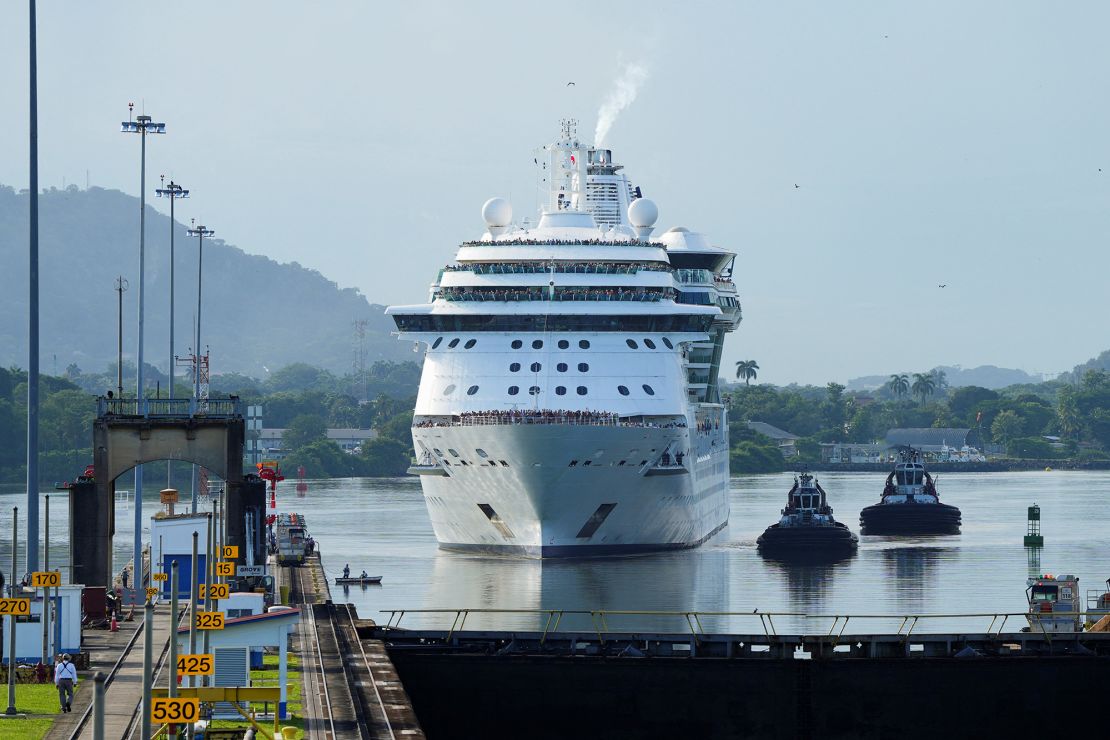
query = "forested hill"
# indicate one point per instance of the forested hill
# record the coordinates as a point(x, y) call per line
point(257, 313)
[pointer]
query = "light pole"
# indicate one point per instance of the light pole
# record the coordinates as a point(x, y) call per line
point(200, 232)
point(173, 192)
point(142, 126)
point(121, 287)
point(33, 305)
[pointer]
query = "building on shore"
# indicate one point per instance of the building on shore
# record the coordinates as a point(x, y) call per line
point(936, 444)
point(348, 439)
point(785, 440)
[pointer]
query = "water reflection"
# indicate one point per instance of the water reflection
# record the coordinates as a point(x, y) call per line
point(911, 575)
point(809, 581)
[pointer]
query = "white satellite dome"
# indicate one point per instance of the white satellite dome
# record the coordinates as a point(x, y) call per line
point(497, 212)
point(643, 212)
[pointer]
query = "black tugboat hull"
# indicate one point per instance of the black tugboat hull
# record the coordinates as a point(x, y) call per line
point(802, 541)
point(910, 519)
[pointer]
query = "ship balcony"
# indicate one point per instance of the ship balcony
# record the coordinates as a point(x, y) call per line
point(541, 279)
point(698, 365)
point(558, 293)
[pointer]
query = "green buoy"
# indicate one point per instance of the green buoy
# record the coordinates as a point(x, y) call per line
point(1033, 536)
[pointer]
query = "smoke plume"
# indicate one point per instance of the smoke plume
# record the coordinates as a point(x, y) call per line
point(624, 92)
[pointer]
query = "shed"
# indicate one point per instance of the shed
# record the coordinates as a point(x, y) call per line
point(231, 647)
point(784, 439)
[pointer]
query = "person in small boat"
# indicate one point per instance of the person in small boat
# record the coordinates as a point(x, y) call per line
point(364, 575)
point(347, 570)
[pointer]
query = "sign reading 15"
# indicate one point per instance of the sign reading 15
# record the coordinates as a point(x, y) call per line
point(164, 710)
point(225, 568)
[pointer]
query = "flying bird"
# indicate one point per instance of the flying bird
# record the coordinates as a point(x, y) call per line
point(796, 186)
point(943, 285)
point(571, 84)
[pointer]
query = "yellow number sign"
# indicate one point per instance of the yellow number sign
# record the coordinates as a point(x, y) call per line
point(225, 568)
point(161, 576)
point(46, 579)
point(15, 607)
point(219, 591)
point(164, 710)
point(230, 552)
point(210, 620)
point(151, 593)
point(199, 664)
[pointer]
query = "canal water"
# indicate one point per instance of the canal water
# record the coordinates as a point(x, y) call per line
point(381, 525)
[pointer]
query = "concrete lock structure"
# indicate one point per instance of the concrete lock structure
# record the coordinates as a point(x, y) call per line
point(129, 432)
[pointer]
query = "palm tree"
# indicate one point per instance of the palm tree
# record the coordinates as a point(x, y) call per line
point(923, 385)
point(899, 384)
point(747, 369)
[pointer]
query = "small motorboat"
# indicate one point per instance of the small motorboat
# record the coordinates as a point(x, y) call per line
point(1054, 604)
point(807, 527)
point(910, 504)
point(359, 581)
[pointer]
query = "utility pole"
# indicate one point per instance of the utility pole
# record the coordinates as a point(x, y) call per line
point(10, 711)
point(142, 126)
point(121, 287)
point(173, 192)
point(33, 307)
point(45, 618)
point(209, 570)
point(173, 639)
point(148, 665)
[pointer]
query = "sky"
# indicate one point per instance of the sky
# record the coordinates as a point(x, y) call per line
point(856, 155)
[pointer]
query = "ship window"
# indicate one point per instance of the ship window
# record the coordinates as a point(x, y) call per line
point(536, 367)
point(583, 367)
point(472, 390)
point(561, 367)
point(481, 452)
point(668, 343)
point(517, 344)
point(514, 367)
point(631, 343)
point(449, 390)
point(622, 390)
point(584, 343)
point(588, 462)
point(649, 344)
point(453, 343)
point(561, 390)
point(453, 453)
point(537, 344)
point(438, 451)
point(503, 463)
point(534, 390)
point(581, 390)
point(572, 463)
point(621, 462)
point(513, 390)
point(470, 343)
point(648, 389)
point(437, 342)
point(563, 344)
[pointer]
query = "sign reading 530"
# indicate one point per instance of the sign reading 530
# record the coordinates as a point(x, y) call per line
point(164, 710)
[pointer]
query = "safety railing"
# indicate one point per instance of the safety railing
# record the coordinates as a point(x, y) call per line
point(599, 619)
point(168, 408)
point(515, 419)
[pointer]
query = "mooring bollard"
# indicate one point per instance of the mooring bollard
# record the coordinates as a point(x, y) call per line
point(98, 706)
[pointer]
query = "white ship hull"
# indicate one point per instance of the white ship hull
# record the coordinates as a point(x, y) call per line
point(539, 505)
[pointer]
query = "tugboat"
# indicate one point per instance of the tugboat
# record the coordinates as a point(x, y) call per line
point(1098, 605)
point(910, 504)
point(1054, 604)
point(807, 527)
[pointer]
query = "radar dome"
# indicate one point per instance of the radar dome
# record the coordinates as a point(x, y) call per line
point(643, 212)
point(497, 212)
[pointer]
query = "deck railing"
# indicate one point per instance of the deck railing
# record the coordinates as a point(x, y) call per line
point(511, 420)
point(170, 408)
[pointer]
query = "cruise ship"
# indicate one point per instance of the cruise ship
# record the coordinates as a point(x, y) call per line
point(569, 402)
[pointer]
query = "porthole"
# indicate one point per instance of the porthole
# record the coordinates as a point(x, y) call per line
point(584, 343)
point(563, 344)
point(534, 390)
point(560, 390)
point(472, 390)
point(517, 344)
point(623, 390)
point(668, 343)
point(561, 367)
point(453, 453)
point(514, 367)
point(437, 342)
point(649, 344)
point(535, 367)
point(648, 389)
point(481, 452)
point(449, 390)
point(581, 390)
point(631, 343)
point(513, 390)
point(470, 343)
point(453, 343)
point(537, 344)
point(583, 367)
